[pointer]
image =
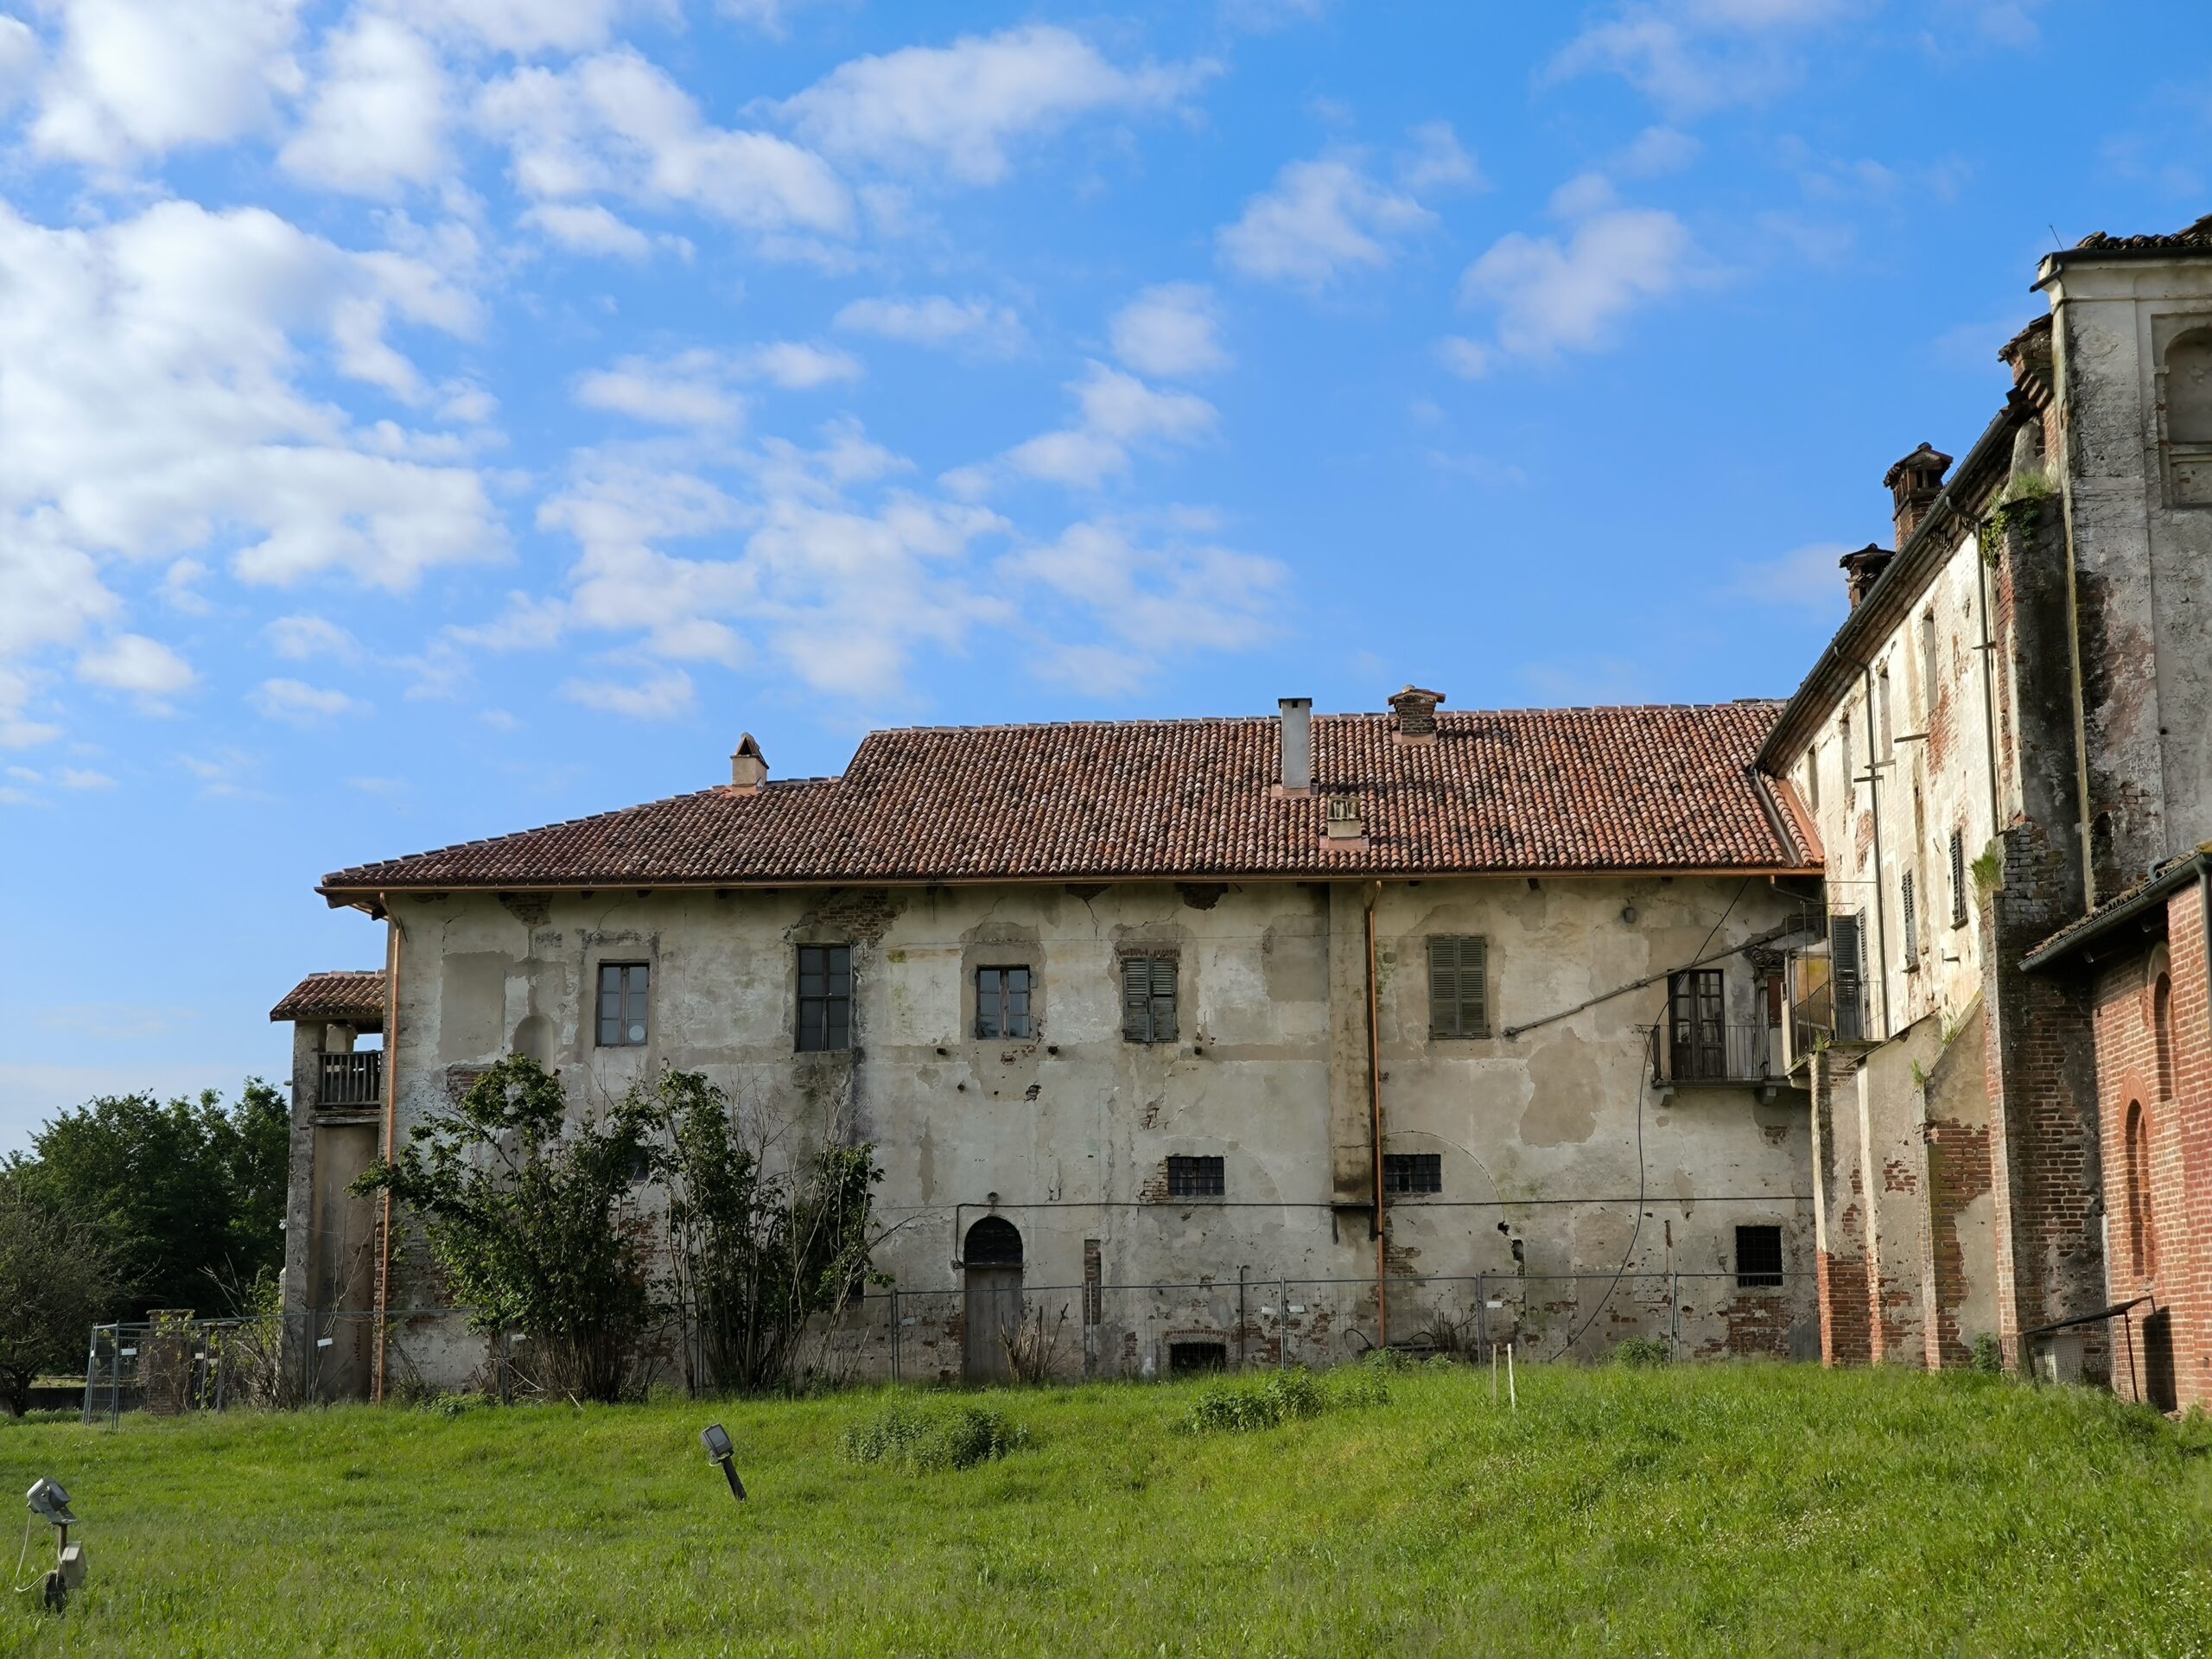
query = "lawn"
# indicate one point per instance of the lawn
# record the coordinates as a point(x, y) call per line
point(1753, 1509)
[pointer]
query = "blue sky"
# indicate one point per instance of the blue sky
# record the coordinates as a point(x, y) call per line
point(425, 418)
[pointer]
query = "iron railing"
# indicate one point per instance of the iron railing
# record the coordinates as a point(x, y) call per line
point(354, 1079)
point(1744, 1054)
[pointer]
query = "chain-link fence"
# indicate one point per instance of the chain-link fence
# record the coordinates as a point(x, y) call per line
point(993, 1329)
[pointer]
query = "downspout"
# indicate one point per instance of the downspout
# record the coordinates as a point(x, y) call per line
point(1874, 805)
point(390, 1140)
point(1988, 650)
point(1375, 1132)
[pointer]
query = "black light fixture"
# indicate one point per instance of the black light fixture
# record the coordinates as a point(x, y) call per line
point(718, 1450)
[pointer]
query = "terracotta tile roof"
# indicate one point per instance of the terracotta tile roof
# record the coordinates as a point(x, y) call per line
point(344, 993)
point(2196, 238)
point(1666, 788)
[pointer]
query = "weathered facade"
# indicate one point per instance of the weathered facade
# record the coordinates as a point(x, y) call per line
point(1850, 993)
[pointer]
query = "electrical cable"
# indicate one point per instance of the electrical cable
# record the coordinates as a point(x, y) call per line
point(23, 1556)
point(1643, 1172)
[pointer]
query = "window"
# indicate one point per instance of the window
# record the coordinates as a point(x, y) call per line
point(1888, 727)
point(1413, 1172)
point(1459, 987)
point(825, 998)
point(621, 1004)
point(1843, 754)
point(1758, 1258)
point(2162, 1033)
point(1928, 667)
point(1813, 777)
point(1149, 1000)
point(1847, 968)
point(2186, 392)
point(1002, 1003)
point(1912, 920)
point(1196, 1178)
point(1958, 878)
point(1697, 1032)
point(1191, 1358)
point(2140, 1245)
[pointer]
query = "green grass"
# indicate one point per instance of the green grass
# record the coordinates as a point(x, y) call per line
point(1751, 1509)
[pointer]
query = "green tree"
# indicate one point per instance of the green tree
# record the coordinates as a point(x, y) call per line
point(532, 1221)
point(57, 1280)
point(190, 1193)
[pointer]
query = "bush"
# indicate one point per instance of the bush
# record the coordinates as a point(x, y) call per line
point(920, 1439)
point(1988, 1355)
point(1354, 1386)
point(1387, 1359)
point(1233, 1407)
point(1639, 1353)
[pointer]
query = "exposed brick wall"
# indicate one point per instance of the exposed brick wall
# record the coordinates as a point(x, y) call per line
point(1844, 1339)
point(1839, 1259)
point(2183, 1186)
point(1958, 1174)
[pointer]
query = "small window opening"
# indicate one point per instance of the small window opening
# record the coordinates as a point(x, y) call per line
point(1196, 1178)
point(1758, 1258)
point(1002, 1003)
point(1195, 1359)
point(825, 998)
point(1912, 920)
point(1413, 1172)
point(1958, 878)
point(1928, 683)
point(2141, 1246)
point(622, 1021)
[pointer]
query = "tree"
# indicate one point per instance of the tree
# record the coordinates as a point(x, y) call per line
point(532, 1221)
point(57, 1280)
point(760, 1237)
point(191, 1193)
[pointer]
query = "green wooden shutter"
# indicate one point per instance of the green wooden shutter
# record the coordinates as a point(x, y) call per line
point(1136, 999)
point(1444, 987)
point(1163, 999)
point(1474, 987)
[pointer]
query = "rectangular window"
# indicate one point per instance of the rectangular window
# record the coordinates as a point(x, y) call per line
point(1002, 1003)
point(1907, 903)
point(1149, 1000)
point(1697, 1032)
point(1958, 878)
point(1813, 777)
point(1847, 971)
point(1196, 1178)
point(1459, 987)
point(621, 1004)
point(1887, 730)
point(1413, 1172)
point(825, 998)
point(1197, 1358)
point(1843, 757)
point(1758, 1258)
point(1928, 667)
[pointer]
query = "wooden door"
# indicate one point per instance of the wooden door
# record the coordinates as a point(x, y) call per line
point(993, 1315)
point(1700, 1034)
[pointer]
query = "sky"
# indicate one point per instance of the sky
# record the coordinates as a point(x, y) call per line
point(422, 419)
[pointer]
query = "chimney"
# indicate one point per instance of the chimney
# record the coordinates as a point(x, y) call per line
point(1416, 712)
point(1914, 483)
point(1297, 746)
point(748, 767)
point(1863, 568)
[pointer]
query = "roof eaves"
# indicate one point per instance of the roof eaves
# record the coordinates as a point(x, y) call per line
point(2176, 873)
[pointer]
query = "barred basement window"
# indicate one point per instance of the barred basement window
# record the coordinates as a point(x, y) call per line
point(621, 1004)
point(1758, 1258)
point(1911, 921)
point(1196, 1178)
point(1459, 987)
point(1191, 1358)
point(1413, 1172)
point(1958, 878)
point(1149, 1000)
point(825, 998)
point(1002, 1003)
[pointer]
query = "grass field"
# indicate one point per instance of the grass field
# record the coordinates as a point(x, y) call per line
point(1753, 1509)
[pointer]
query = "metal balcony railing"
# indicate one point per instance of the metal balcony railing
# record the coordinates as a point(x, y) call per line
point(1820, 1018)
point(355, 1079)
point(1717, 1054)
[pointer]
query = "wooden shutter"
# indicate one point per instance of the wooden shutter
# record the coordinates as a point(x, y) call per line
point(1911, 921)
point(1474, 987)
point(1163, 999)
point(1847, 968)
point(1136, 999)
point(1444, 987)
point(1958, 878)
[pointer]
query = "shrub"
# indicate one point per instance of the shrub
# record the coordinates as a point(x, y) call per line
point(1988, 1354)
point(920, 1439)
point(1232, 1407)
point(1387, 1359)
point(1354, 1386)
point(1639, 1353)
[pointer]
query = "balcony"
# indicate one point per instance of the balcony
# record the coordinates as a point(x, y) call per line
point(1819, 1019)
point(355, 1079)
point(1711, 1054)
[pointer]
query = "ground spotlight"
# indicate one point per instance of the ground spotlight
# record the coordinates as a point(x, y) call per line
point(49, 1501)
point(718, 1450)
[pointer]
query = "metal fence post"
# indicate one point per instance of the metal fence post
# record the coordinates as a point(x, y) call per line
point(897, 1375)
point(1282, 1326)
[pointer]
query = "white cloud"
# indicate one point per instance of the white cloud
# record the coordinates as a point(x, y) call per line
point(311, 638)
point(933, 320)
point(1552, 295)
point(800, 367)
point(687, 390)
point(959, 106)
point(19, 59)
point(1320, 219)
point(1118, 411)
point(1658, 151)
point(1807, 578)
point(146, 669)
point(587, 227)
point(1171, 330)
point(523, 27)
point(1691, 57)
point(1155, 598)
point(664, 696)
point(1436, 160)
point(1468, 358)
point(297, 704)
point(78, 778)
point(616, 123)
point(377, 117)
point(143, 77)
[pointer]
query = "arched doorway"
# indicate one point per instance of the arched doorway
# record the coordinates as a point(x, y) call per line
point(991, 1260)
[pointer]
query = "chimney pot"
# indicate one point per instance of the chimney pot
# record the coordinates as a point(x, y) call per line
point(1914, 483)
point(748, 767)
point(1415, 710)
point(1863, 568)
point(1297, 723)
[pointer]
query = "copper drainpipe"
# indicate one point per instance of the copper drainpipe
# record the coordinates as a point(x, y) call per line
point(391, 1139)
point(1375, 1132)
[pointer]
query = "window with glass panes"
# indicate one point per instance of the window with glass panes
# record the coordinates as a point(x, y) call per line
point(1002, 1003)
point(621, 1004)
point(826, 997)
point(1413, 1172)
point(1196, 1178)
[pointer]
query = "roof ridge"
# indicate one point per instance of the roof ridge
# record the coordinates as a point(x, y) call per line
point(1340, 714)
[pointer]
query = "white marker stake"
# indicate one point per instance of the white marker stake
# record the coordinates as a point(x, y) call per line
point(1512, 1394)
point(1493, 1373)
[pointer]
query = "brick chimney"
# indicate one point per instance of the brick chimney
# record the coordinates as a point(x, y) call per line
point(1914, 483)
point(1416, 712)
point(748, 767)
point(1297, 764)
point(1863, 568)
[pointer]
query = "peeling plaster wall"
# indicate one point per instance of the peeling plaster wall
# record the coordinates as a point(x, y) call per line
point(1071, 1128)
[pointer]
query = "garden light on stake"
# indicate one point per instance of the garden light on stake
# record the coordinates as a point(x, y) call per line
point(718, 1450)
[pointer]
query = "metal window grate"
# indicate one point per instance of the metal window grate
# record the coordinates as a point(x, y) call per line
point(1909, 905)
point(1196, 1178)
point(1758, 1258)
point(622, 1021)
point(1002, 1004)
point(1958, 878)
point(1459, 987)
point(1413, 1172)
point(825, 998)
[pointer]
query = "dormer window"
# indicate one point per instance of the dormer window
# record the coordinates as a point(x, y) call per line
point(1343, 822)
